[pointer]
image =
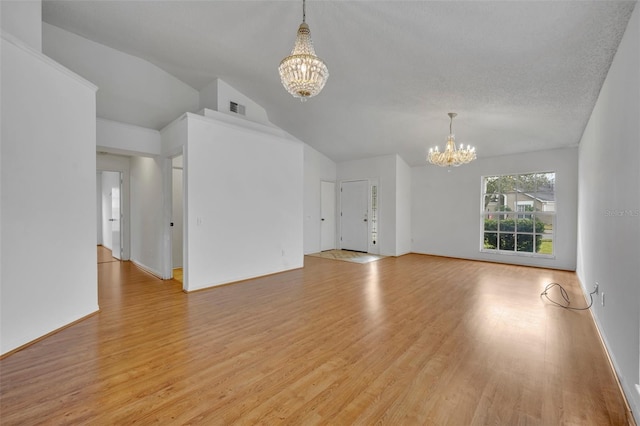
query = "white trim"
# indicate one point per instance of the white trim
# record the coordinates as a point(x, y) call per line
point(145, 268)
point(518, 253)
point(131, 126)
point(227, 120)
point(335, 214)
point(47, 60)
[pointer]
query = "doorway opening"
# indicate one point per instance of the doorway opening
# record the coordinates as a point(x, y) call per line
point(327, 215)
point(177, 218)
point(109, 214)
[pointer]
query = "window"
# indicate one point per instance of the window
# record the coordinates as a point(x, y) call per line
point(518, 214)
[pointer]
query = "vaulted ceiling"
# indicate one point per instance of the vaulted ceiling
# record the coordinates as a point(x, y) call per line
point(522, 75)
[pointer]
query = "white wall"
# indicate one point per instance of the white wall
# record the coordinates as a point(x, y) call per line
point(317, 167)
point(446, 206)
point(403, 207)
point(127, 139)
point(609, 210)
point(383, 168)
point(174, 137)
point(23, 19)
point(244, 203)
point(48, 129)
point(209, 96)
point(132, 90)
point(253, 111)
point(147, 214)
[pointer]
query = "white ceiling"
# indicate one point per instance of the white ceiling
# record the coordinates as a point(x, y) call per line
point(522, 75)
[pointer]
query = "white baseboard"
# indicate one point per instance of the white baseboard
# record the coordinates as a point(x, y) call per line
point(145, 268)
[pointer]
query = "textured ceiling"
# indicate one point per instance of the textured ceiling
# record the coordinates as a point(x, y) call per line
point(522, 76)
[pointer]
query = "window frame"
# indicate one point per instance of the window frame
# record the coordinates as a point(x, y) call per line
point(502, 198)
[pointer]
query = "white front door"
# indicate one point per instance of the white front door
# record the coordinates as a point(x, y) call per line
point(354, 228)
point(327, 216)
point(116, 247)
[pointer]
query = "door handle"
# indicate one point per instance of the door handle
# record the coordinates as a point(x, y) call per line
point(365, 220)
point(322, 219)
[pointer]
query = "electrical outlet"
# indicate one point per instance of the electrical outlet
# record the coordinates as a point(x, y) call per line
point(595, 288)
point(602, 299)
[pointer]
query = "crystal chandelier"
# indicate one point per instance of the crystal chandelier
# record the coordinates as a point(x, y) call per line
point(302, 73)
point(451, 156)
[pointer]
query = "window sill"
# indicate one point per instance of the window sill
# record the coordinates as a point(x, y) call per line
point(518, 254)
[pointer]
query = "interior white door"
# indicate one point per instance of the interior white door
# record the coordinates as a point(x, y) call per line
point(327, 216)
point(354, 228)
point(116, 246)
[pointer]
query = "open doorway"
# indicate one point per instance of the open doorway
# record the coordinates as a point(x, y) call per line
point(327, 216)
point(109, 218)
point(177, 218)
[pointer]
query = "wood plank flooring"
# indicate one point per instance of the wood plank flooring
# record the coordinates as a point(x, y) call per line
point(414, 340)
point(348, 256)
point(104, 255)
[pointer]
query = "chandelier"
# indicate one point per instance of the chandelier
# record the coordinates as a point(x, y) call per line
point(302, 73)
point(451, 156)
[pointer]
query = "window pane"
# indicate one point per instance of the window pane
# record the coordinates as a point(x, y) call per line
point(525, 223)
point(545, 223)
point(545, 202)
point(545, 192)
point(524, 243)
point(545, 182)
point(492, 202)
point(527, 183)
point(506, 241)
point(490, 223)
point(544, 234)
point(508, 183)
point(490, 240)
point(506, 222)
point(492, 184)
point(545, 245)
point(511, 201)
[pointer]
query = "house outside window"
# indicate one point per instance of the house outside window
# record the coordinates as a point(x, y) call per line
point(518, 214)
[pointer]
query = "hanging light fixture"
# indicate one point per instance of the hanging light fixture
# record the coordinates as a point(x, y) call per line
point(451, 156)
point(302, 73)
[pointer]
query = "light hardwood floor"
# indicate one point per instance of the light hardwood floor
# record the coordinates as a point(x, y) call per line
point(414, 340)
point(105, 255)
